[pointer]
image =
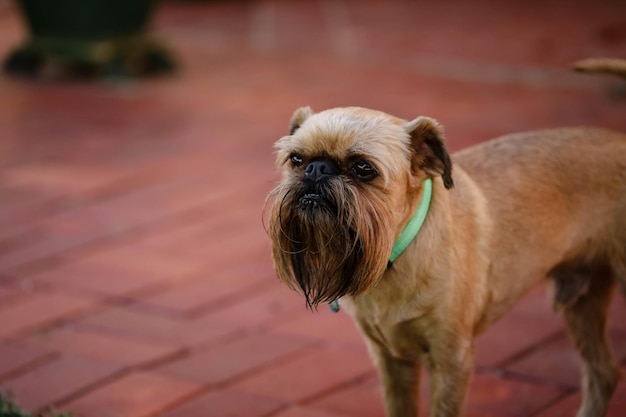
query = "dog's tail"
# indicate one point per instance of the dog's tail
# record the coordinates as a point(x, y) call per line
point(602, 66)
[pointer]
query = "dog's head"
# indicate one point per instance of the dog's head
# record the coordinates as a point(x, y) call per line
point(351, 178)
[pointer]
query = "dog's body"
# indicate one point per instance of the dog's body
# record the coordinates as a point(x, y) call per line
point(524, 208)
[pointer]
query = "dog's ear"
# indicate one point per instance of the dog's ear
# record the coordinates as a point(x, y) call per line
point(429, 153)
point(299, 116)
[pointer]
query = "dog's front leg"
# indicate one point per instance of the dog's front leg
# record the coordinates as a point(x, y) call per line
point(399, 374)
point(400, 379)
point(450, 369)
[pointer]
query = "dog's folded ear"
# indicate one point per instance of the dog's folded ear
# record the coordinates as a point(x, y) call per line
point(429, 152)
point(299, 116)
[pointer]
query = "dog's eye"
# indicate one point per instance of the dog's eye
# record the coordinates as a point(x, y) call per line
point(364, 170)
point(296, 160)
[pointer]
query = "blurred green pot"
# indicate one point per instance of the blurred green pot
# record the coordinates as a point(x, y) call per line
point(88, 37)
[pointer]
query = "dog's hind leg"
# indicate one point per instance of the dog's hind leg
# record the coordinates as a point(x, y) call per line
point(620, 272)
point(585, 293)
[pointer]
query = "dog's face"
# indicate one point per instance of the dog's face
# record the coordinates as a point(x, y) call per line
point(350, 183)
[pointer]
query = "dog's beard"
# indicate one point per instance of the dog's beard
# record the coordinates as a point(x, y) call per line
point(328, 239)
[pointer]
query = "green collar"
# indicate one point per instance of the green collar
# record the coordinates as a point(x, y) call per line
point(409, 233)
point(415, 224)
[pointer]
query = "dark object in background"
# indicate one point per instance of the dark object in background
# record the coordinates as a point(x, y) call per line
point(9, 409)
point(88, 38)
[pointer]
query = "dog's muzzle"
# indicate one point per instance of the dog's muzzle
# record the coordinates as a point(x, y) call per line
point(316, 177)
point(315, 198)
point(310, 200)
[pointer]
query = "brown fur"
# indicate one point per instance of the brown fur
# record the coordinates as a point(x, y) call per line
point(612, 66)
point(521, 209)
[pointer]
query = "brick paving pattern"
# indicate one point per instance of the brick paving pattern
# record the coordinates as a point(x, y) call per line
point(135, 273)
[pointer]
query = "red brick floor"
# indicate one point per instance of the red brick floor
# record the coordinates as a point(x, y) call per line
point(135, 274)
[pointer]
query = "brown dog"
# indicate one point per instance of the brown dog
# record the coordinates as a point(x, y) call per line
point(521, 209)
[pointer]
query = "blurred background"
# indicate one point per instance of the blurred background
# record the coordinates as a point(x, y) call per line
point(135, 273)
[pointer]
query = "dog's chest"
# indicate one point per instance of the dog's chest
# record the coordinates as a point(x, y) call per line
point(402, 334)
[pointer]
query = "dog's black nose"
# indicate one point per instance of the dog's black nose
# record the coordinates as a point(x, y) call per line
point(319, 170)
